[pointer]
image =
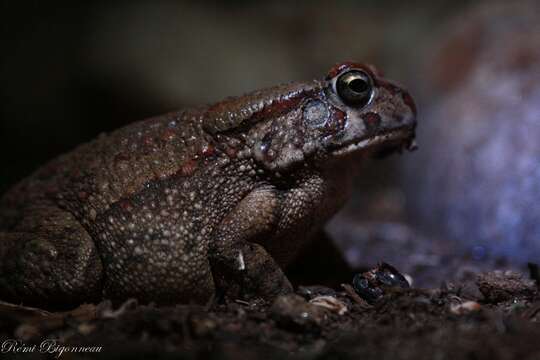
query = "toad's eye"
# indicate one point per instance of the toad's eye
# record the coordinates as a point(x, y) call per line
point(355, 88)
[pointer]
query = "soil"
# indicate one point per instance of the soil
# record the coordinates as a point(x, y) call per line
point(471, 314)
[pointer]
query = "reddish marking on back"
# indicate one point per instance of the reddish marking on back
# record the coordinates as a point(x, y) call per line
point(83, 195)
point(188, 168)
point(168, 134)
point(208, 150)
point(281, 105)
point(148, 141)
point(339, 68)
point(125, 204)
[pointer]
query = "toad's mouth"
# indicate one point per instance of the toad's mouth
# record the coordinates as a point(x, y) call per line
point(381, 144)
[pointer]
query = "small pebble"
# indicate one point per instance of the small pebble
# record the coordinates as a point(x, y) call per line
point(465, 307)
point(498, 286)
point(331, 303)
point(292, 312)
point(310, 292)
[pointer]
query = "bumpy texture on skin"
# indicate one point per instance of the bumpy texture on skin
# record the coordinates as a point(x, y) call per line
point(173, 208)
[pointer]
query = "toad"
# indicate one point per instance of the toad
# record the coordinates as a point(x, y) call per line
point(220, 198)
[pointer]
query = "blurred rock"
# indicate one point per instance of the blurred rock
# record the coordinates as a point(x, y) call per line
point(313, 291)
point(292, 312)
point(465, 308)
point(331, 303)
point(497, 286)
point(476, 177)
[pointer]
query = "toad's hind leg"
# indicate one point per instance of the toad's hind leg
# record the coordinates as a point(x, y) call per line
point(48, 259)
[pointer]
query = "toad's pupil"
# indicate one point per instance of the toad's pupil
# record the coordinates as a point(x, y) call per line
point(354, 88)
point(358, 85)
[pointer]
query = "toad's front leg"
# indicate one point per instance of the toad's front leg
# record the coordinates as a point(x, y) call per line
point(241, 267)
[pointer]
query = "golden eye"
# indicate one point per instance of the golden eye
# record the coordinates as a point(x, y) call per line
point(355, 88)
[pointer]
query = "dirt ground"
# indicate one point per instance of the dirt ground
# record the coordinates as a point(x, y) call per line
point(471, 314)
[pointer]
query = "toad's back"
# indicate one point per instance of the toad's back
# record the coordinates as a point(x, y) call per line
point(109, 168)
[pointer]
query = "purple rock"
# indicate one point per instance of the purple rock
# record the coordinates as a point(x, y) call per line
point(476, 177)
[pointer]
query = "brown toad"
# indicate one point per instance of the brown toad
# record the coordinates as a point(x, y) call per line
point(173, 208)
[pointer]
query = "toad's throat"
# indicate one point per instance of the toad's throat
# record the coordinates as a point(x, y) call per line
point(397, 138)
